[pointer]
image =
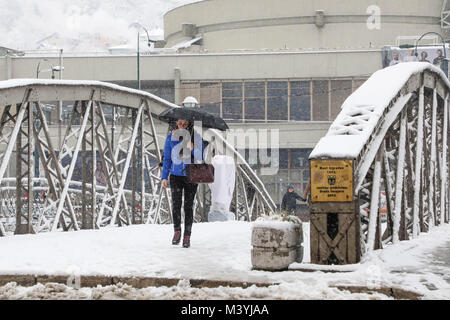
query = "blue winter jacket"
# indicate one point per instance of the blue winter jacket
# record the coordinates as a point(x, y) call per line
point(172, 164)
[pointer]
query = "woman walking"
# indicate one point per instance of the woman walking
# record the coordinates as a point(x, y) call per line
point(177, 156)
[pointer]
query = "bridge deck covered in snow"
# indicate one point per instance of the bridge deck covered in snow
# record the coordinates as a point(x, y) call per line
point(221, 251)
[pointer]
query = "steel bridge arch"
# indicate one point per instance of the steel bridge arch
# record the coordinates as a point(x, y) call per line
point(94, 202)
point(394, 130)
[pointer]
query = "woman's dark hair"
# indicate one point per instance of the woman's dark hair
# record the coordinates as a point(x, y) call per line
point(172, 126)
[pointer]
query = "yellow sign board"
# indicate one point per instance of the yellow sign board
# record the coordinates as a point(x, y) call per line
point(331, 180)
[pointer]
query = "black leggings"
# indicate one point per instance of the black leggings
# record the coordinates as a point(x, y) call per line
point(177, 185)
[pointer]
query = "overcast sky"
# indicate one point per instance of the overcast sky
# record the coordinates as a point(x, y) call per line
point(24, 22)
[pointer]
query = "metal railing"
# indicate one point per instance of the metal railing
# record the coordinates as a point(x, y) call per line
point(117, 184)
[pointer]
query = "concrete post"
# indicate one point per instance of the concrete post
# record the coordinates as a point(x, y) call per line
point(276, 245)
point(8, 67)
point(177, 85)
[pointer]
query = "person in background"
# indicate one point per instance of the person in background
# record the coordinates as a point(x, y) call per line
point(395, 60)
point(386, 60)
point(410, 57)
point(424, 56)
point(439, 60)
point(289, 202)
point(175, 164)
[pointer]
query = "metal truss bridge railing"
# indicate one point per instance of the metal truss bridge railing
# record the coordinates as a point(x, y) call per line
point(380, 175)
point(91, 181)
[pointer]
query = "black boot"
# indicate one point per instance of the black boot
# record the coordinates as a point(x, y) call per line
point(186, 241)
point(176, 238)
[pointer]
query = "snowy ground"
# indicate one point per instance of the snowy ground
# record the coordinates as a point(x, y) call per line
point(219, 251)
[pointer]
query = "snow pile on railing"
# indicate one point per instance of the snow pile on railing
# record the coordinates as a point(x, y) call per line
point(363, 109)
point(14, 83)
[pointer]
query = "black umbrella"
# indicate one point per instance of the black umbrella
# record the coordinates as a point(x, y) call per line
point(193, 114)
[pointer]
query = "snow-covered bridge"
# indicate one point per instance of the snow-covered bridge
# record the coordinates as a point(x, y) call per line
point(380, 175)
point(392, 134)
point(116, 183)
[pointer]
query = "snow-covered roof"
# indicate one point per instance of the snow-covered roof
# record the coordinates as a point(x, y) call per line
point(362, 111)
point(5, 50)
point(186, 44)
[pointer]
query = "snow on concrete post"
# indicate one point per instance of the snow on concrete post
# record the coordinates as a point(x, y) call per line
point(222, 189)
point(276, 243)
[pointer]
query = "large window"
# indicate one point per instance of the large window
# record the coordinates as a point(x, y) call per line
point(320, 100)
point(277, 100)
point(162, 88)
point(255, 100)
point(190, 89)
point(284, 158)
point(269, 100)
point(340, 90)
point(210, 97)
point(252, 158)
point(358, 83)
point(288, 158)
point(232, 100)
point(164, 92)
point(300, 106)
point(299, 158)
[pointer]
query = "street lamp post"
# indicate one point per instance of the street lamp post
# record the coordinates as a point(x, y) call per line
point(139, 164)
point(38, 69)
point(37, 123)
point(61, 68)
point(149, 42)
point(53, 69)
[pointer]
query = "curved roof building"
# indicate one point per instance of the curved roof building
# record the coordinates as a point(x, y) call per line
point(226, 25)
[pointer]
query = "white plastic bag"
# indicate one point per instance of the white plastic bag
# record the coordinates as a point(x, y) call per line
point(222, 189)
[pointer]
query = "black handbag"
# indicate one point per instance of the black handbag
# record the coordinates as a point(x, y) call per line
point(200, 173)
